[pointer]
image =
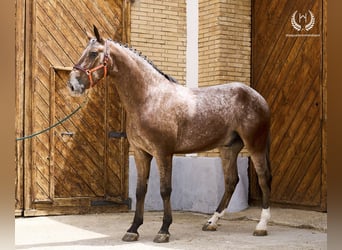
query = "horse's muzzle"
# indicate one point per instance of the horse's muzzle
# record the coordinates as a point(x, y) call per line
point(76, 89)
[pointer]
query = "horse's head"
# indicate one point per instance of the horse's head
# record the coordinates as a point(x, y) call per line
point(91, 67)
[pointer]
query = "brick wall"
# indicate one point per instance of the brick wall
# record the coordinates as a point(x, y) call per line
point(158, 30)
point(224, 41)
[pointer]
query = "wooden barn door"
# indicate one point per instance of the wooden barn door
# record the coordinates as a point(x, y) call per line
point(288, 65)
point(76, 167)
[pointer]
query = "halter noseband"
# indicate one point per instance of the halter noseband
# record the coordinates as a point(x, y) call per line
point(90, 71)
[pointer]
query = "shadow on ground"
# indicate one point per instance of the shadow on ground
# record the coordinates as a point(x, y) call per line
point(288, 229)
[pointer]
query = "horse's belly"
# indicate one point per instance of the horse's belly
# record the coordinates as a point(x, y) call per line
point(202, 140)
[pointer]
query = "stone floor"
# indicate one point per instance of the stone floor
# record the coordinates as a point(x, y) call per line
point(288, 229)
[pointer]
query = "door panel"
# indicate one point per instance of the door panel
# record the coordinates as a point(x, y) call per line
point(79, 143)
point(74, 167)
point(287, 70)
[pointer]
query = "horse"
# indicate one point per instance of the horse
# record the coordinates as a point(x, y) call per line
point(166, 118)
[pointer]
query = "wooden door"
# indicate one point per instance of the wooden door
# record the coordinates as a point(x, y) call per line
point(288, 69)
point(75, 167)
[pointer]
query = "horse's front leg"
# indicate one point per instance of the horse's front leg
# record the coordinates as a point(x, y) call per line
point(143, 163)
point(165, 171)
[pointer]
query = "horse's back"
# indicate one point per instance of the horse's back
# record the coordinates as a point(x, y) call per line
point(235, 96)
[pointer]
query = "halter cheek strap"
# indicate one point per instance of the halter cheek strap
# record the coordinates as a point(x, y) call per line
point(90, 71)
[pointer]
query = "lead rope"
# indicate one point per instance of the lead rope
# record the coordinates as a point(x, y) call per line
point(56, 124)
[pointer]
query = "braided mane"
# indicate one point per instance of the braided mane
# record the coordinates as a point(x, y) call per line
point(138, 53)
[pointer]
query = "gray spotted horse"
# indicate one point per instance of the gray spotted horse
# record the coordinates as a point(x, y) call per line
point(165, 118)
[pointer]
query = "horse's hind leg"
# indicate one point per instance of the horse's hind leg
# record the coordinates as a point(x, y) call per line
point(228, 156)
point(261, 164)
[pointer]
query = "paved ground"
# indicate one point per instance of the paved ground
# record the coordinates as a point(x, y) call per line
point(289, 229)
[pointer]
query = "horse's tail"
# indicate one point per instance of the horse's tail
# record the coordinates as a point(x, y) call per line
point(268, 162)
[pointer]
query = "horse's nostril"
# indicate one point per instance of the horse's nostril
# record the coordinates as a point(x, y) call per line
point(72, 88)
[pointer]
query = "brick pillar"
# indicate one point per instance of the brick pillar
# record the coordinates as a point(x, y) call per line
point(224, 41)
point(158, 30)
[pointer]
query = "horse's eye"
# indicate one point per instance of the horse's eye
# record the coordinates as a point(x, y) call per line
point(93, 54)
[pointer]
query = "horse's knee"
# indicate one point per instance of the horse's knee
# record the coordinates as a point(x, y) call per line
point(141, 192)
point(165, 192)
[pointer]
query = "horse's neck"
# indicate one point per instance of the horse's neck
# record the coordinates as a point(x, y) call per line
point(134, 79)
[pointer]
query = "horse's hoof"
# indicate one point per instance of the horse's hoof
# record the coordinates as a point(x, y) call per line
point(162, 238)
point(130, 237)
point(209, 227)
point(260, 232)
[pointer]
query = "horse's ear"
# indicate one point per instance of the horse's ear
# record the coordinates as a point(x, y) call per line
point(97, 35)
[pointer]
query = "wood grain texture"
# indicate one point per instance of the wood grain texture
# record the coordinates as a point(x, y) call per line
point(19, 111)
point(288, 72)
point(61, 170)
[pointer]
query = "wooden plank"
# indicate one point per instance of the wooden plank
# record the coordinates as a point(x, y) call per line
point(289, 75)
point(46, 209)
point(269, 29)
point(88, 121)
point(74, 31)
point(298, 168)
point(29, 69)
point(70, 178)
point(324, 108)
point(301, 192)
point(272, 26)
point(19, 110)
point(42, 189)
point(292, 141)
point(126, 23)
point(48, 16)
point(296, 144)
point(104, 20)
point(61, 170)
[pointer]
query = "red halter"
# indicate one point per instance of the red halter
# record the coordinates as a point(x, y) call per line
point(90, 71)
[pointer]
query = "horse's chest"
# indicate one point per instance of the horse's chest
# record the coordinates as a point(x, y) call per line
point(150, 134)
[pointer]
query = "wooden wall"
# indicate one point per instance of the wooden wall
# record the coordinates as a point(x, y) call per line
point(75, 167)
point(289, 70)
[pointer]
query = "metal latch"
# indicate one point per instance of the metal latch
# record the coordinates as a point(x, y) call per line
point(117, 135)
point(71, 134)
